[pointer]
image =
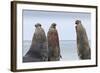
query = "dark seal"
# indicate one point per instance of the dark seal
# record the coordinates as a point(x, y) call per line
point(38, 50)
point(83, 47)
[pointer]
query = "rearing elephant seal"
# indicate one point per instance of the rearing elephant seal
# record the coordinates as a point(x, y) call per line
point(83, 47)
point(38, 50)
point(53, 44)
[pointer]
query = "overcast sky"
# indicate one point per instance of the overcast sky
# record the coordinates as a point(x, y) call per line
point(65, 23)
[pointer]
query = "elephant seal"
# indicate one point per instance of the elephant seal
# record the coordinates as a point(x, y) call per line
point(83, 47)
point(53, 44)
point(38, 50)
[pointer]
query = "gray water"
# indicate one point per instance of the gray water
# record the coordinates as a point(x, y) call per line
point(68, 49)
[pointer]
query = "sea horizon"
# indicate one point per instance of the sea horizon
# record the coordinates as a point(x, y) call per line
point(68, 49)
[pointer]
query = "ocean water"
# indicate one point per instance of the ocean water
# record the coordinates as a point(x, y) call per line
point(68, 49)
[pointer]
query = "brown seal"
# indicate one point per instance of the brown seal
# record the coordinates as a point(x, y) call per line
point(53, 44)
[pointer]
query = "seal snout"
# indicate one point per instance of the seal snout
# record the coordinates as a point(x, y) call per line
point(53, 25)
point(38, 24)
point(77, 22)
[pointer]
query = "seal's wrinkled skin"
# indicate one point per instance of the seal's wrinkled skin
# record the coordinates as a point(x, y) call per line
point(53, 44)
point(83, 47)
point(38, 50)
